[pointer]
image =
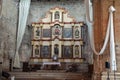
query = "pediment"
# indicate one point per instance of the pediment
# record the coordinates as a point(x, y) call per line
point(57, 14)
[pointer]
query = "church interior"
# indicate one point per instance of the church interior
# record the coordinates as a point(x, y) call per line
point(59, 40)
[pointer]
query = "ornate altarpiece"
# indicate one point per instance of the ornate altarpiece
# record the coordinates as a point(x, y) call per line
point(57, 28)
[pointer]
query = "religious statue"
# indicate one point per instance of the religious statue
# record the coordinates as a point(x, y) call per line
point(76, 51)
point(37, 32)
point(37, 50)
point(56, 50)
point(77, 33)
point(57, 16)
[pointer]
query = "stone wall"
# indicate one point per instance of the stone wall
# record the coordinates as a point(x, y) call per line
point(8, 31)
point(38, 10)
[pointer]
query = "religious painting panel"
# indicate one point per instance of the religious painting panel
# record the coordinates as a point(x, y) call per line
point(45, 51)
point(46, 33)
point(67, 33)
point(67, 52)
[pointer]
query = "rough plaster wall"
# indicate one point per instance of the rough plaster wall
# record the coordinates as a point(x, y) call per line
point(8, 30)
point(87, 51)
point(75, 8)
point(37, 11)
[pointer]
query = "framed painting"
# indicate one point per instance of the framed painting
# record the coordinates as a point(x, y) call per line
point(46, 33)
point(67, 33)
point(45, 51)
point(67, 52)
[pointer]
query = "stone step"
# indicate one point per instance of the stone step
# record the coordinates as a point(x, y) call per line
point(50, 76)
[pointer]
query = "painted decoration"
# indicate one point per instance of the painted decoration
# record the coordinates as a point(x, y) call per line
point(46, 33)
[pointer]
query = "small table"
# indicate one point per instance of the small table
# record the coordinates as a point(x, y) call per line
point(51, 63)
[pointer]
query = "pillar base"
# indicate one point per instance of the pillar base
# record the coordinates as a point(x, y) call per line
point(110, 76)
point(96, 76)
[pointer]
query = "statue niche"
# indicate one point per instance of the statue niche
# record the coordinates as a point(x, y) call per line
point(56, 52)
point(37, 51)
point(57, 15)
point(38, 32)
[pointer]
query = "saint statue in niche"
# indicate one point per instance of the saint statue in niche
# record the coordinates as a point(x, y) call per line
point(37, 31)
point(77, 33)
point(57, 15)
point(36, 50)
point(56, 50)
point(76, 51)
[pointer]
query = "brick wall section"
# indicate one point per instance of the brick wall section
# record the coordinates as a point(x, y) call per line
point(98, 39)
point(117, 31)
point(100, 27)
point(105, 7)
point(104, 23)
